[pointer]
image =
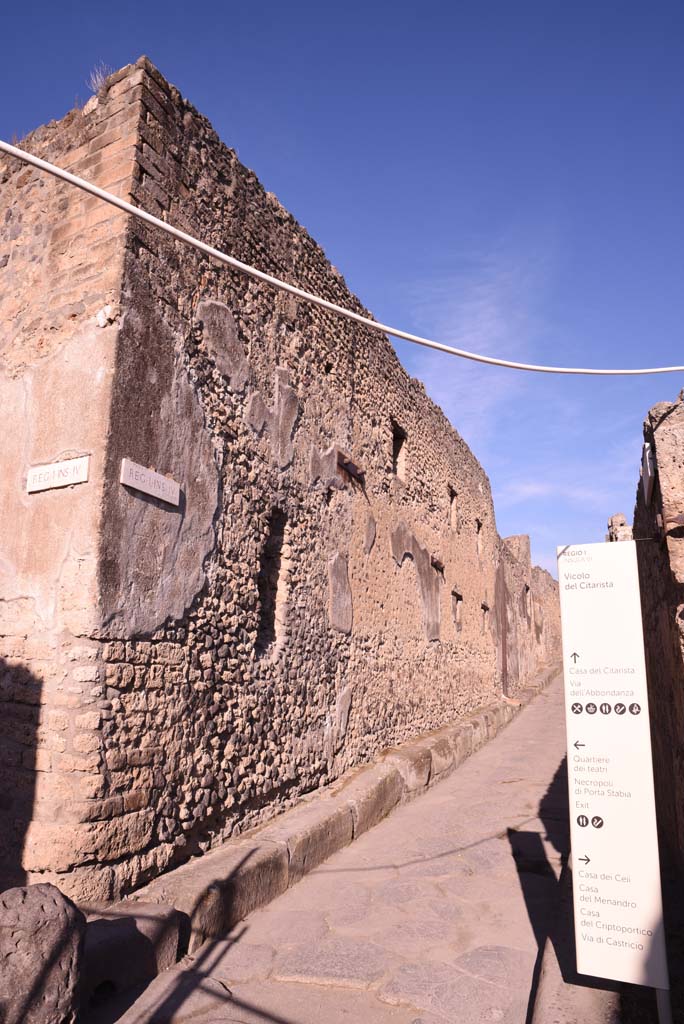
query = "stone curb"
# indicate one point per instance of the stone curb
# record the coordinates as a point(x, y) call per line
point(206, 897)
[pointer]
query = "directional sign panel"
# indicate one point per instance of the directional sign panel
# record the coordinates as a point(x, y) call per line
point(616, 873)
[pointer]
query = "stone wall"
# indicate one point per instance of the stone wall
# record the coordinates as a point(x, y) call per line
point(332, 582)
point(659, 532)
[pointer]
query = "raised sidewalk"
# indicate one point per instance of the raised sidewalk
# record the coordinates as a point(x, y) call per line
point(445, 901)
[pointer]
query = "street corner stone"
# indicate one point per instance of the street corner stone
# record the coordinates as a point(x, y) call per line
point(129, 943)
point(41, 943)
point(342, 961)
point(414, 763)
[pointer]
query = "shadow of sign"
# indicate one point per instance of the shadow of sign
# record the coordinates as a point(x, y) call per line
point(549, 902)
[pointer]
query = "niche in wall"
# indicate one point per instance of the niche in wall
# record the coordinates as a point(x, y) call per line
point(273, 586)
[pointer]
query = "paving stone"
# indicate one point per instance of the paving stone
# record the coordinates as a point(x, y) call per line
point(335, 961)
point(281, 928)
point(231, 960)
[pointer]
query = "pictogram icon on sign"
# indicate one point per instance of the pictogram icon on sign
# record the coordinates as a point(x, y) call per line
point(597, 821)
point(605, 709)
point(620, 709)
point(634, 709)
point(577, 709)
point(582, 821)
point(591, 709)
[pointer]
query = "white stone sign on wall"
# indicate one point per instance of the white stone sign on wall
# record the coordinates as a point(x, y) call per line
point(150, 482)
point(615, 866)
point(58, 474)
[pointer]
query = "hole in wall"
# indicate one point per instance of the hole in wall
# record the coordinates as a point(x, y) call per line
point(328, 367)
point(453, 509)
point(457, 610)
point(478, 538)
point(485, 616)
point(527, 600)
point(273, 585)
point(398, 451)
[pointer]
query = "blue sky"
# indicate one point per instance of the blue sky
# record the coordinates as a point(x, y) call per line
point(503, 176)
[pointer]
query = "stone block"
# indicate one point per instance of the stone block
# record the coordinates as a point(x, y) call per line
point(478, 724)
point(442, 753)
point(41, 943)
point(414, 763)
point(127, 944)
point(217, 890)
point(312, 833)
point(371, 794)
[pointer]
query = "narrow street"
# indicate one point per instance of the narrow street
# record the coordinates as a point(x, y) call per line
point(435, 916)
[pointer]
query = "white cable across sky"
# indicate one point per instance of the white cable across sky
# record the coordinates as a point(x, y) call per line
point(275, 282)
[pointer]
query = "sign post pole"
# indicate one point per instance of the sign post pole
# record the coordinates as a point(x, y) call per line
point(616, 872)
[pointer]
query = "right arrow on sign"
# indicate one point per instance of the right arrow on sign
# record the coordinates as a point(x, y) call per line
point(585, 859)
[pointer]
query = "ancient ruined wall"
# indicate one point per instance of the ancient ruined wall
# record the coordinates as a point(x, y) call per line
point(332, 582)
point(659, 532)
point(61, 264)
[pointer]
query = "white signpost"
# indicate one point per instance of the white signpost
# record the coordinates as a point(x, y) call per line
point(149, 482)
point(57, 474)
point(616, 872)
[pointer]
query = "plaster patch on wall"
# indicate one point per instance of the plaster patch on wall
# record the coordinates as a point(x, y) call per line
point(341, 610)
point(280, 421)
point(223, 345)
point(323, 467)
point(152, 555)
point(369, 538)
point(404, 544)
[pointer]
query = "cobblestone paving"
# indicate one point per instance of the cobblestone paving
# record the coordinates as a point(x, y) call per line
point(433, 917)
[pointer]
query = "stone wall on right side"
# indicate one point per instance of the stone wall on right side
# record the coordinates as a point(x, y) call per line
point(659, 533)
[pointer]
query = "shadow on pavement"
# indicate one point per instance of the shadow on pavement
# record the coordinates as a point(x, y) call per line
point(550, 909)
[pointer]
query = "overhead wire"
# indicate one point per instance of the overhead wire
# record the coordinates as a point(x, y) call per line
point(300, 293)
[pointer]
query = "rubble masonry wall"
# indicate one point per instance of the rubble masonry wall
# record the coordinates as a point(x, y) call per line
point(332, 582)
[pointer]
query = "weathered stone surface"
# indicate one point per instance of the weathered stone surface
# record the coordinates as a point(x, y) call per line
point(171, 676)
point(312, 833)
point(152, 555)
point(220, 889)
point(341, 609)
point(41, 941)
point(337, 961)
point(405, 544)
point(371, 793)
point(413, 761)
point(659, 532)
point(223, 345)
